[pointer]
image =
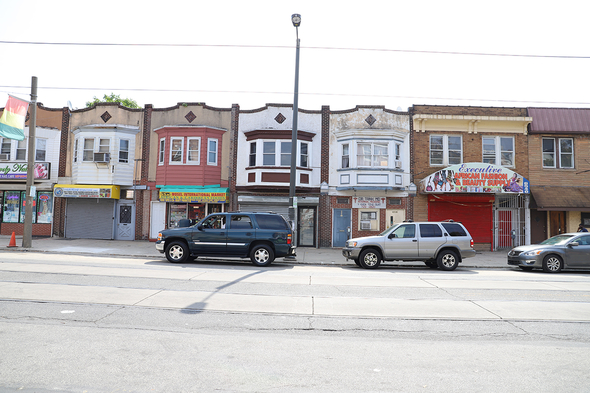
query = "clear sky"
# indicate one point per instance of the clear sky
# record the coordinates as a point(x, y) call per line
point(371, 52)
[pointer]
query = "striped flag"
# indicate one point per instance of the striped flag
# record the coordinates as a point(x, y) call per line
point(12, 122)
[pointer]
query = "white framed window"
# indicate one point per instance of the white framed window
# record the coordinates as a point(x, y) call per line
point(176, 150)
point(193, 151)
point(40, 149)
point(498, 150)
point(368, 220)
point(446, 150)
point(268, 153)
point(397, 151)
point(285, 153)
point(124, 150)
point(558, 153)
point(212, 151)
point(162, 151)
point(21, 150)
point(76, 150)
point(104, 145)
point(252, 157)
point(372, 154)
point(303, 154)
point(345, 155)
point(5, 146)
point(88, 152)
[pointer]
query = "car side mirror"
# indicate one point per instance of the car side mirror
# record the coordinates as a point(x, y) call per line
point(200, 227)
point(391, 235)
point(574, 244)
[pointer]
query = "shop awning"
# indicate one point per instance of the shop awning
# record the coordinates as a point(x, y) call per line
point(561, 198)
point(87, 191)
point(194, 194)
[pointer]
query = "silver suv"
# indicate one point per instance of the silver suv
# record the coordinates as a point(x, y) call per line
point(440, 245)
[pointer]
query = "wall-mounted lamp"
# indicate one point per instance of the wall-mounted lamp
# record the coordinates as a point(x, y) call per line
point(324, 188)
point(412, 190)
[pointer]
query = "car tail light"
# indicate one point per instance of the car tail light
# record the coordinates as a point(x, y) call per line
point(289, 238)
point(471, 243)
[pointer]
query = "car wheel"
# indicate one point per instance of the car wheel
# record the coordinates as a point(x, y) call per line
point(552, 264)
point(177, 252)
point(370, 258)
point(431, 263)
point(262, 255)
point(356, 261)
point(447, 260)
point(526, 268)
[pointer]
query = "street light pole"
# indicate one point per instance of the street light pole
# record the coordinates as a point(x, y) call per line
point(296, 19)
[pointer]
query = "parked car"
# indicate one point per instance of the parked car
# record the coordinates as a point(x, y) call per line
point(565, 251)
point(262, 237)
point(440, 245)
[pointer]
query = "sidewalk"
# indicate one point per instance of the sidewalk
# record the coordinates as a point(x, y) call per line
point(147, 249)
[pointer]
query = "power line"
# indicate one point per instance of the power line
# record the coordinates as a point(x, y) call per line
point(302, 93)
point(290, 47)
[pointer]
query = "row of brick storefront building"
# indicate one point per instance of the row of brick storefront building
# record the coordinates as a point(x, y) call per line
point(511, 175)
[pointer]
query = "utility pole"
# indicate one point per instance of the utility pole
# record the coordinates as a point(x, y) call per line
point(30, 188)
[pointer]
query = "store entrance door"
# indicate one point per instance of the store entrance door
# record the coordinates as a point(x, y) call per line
point(306, 223)
point(125, 222)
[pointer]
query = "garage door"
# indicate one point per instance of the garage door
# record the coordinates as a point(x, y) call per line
point(474, 212)
point(90, 218)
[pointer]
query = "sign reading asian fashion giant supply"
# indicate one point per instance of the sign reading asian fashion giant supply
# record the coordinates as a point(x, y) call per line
point(475, 177)
point(18, 170)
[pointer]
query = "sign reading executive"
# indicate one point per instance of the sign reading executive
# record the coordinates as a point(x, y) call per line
point(475, 177)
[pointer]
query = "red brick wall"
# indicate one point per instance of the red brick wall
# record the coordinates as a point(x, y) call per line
point(38, 229)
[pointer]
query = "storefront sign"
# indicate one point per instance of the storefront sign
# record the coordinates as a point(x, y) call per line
point(368, 203)
point(86, 191)
point(18, 170)
point(194, 197)
point(475, 178)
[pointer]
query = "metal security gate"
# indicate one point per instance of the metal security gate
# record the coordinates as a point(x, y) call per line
point(90, 218)
point(510, 221)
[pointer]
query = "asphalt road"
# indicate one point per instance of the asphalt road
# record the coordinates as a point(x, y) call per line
point(82, 323)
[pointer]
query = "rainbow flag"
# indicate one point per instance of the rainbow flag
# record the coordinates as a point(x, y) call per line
point(12, 122)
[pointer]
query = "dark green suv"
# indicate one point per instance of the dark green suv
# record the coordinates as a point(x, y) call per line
point(260, 236)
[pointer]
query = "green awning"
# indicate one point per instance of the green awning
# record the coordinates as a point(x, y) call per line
point(194, 194)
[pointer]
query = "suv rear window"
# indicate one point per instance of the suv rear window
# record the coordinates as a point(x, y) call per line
point(430, 230)
point(271, 222)
point(454, 229)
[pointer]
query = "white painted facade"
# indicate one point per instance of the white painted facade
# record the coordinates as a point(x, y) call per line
point(265, 120)
point(352, 131)
point(51, 138)
point(90, 168)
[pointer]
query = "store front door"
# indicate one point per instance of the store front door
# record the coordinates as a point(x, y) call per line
point(125, 222)
point(306, 231)
point(342, 227)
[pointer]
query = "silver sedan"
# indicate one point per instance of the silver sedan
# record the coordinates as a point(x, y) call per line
point(565, 251)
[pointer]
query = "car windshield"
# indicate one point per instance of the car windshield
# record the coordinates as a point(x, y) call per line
point(559, 239)
point(388, 230)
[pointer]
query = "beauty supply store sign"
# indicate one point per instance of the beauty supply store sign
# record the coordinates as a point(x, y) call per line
point(475, 178)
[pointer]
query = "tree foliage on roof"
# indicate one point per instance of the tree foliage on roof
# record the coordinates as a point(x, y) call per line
point(128, 102)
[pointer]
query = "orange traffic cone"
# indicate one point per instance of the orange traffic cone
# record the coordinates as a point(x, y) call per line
point(12, 241)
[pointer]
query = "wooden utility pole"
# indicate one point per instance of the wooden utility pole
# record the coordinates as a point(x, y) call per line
point(30, 188)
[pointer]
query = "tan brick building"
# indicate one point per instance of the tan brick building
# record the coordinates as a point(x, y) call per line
point(471, 165)
point(559, 162)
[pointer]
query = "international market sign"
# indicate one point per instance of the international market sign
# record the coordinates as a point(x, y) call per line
point(475, 177)
point(194, 194)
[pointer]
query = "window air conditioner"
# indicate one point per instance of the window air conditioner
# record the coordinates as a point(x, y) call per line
point(102, 157)
point(398, 164)
point(365, 225)
point(4, 156)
